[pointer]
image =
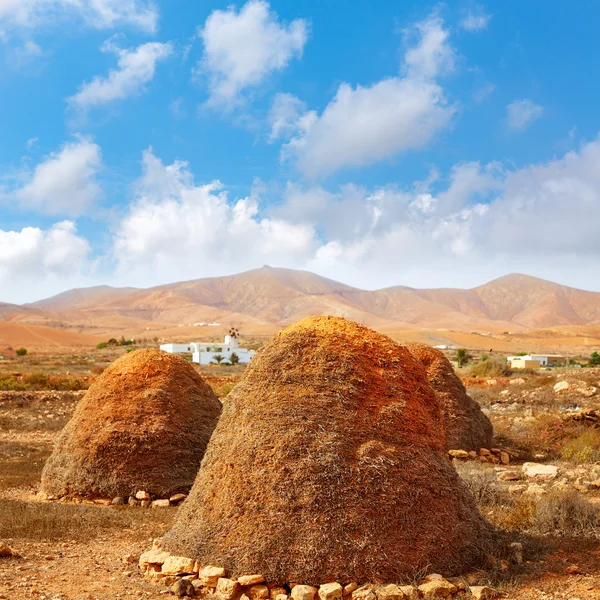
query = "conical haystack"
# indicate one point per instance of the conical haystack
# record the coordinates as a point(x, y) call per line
point(143, 425)
point(328, 464)
point(467, 428)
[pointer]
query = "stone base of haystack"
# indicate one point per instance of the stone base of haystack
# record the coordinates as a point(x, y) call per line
point(494, 456)
point(185, 577)
point(141, 498)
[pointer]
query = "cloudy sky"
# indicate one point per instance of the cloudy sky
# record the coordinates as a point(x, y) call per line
point(377, 143)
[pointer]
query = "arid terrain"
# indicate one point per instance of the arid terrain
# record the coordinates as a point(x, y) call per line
point(90, 551)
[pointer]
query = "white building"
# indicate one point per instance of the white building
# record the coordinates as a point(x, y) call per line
point(205, 353)
point(544, 359)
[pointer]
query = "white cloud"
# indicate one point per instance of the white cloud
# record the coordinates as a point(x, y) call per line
point(136, 68)
point(64, 183)
point(285, 116)
point(521, 113)
point(364, 125)
point(100, 14)
point(241, 49)
point(172, 217)
point(34, 257)
point(31, 143)
point(475, 21)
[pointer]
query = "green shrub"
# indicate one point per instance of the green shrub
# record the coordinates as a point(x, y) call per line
point(21, 351)
point(585, 448)
point(102, 345)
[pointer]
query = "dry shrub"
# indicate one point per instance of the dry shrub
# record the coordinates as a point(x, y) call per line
point(584, 448)
point(481, 482)
point(143, 425)
point(38, 381)
point(329, 464)
point(465, 425)
point(490, 368)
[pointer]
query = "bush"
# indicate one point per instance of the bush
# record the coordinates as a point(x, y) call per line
point(585, 448)
point(594, 359)
point(102, 345)
point(490, 368)
point(21, 351)
point(567, 513)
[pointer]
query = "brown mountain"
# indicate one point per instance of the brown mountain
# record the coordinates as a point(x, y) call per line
point(280, 296)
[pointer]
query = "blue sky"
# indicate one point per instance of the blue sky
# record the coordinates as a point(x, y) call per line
point(379, 143)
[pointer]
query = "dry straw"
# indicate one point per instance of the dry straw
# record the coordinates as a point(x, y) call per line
point(329, 464)
point(143, 425)
point(467, 428)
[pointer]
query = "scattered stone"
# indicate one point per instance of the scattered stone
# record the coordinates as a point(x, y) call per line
point(573, 570)
point(209, 576)
point(281, 597)
point(436, 588)
point(364, 592)
point(390, 592)
point(482, 592)
point(178, 565)
point(460, 454)
point(348, 589)
point(133, 501)
point(517, 381)
point(517, 489)
point(539, 471)
point(505, 458)
point(509, 476)
point(561, 386)
point(183, 588)
point(227, 588)
point(303, 592)
point(142, 495)
point(258, 592)
point(145, 503)
point(535, 489)
point(247, 580)
point(152, 557)
point(330, 591)
point(276, 591)
point(6, 551)
point(176, 498)
point(119, 501)
point(410, 593)
point(160, 504)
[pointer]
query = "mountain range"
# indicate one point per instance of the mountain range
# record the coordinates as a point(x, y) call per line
point(276, 297)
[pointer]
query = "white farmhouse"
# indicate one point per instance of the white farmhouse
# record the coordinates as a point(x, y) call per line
point(204, 353)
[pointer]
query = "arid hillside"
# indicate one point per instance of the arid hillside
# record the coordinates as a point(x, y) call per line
point(281, 296)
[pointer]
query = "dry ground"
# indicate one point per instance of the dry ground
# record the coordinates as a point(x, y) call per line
point(89, 552)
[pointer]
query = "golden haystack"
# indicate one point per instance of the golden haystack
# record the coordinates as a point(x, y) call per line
point(329, 464)
point(467, 428)
point(143, 425)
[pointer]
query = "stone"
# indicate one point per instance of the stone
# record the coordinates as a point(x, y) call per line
point(484, 452)
point(153, 557)
point(348, 589)
point(573, 570)
point(281, 597)
point(539, 471)
point(118, 501)
point(505, 458)
point(437, 588)
point(247, 580)
point(364, 592)
point(160, 504)
point(410, 593)
point(303, 592)
point(390, 592)
point(517, 489)
point(6, 551)
point(258, 592)
point(517, 381)
point(516, 549)
point(175, 498)
point(145, 503)
point(460, 454)
point(141, 495)
point(209, 575)
point(227, 588)
point(483, 592)
point(561, 386)
point(178, 565)
point(535, 489)
point(183, 588)
point(276, 591)
point(509, 476)
point(133, 501)
point(330, 591)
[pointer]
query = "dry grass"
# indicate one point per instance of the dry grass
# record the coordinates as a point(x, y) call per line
point(584, 448)
point(490, 368)
point(38, 381)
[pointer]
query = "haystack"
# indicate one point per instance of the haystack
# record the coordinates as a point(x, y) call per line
point(143, 425)
point(329, 464)
point(467, 428)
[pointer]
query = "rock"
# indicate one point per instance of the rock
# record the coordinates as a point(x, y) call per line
point(482, 592)
point(491, 382)
point(348, 589)
point(573, 570)
point(535, 489)
point(516, 549)
point(160, 504)
point(539, 471)
point(432, 577)
point(145, 503)
point(437, 588)
point(410, 593)
point(484, 452)
point(276, 591)
point(153, 557)
point(505, 458)
point(183, 588)
point(281, 597)
point(390, 592)
point(258, 592)
point(303, 592)
point(226, 588)
point(141, 495)
point(460, 454)
point(175, 498)
point(364, 592)
point(6, 551)
point(561, 386)
point(118, 501)
point(509, 476)
point(517, 381)
point(246, 580)
point(133, 501)
point(330, 591)
point(587, 392)
point(209, 576)
point(517, 489)
point(178, 565)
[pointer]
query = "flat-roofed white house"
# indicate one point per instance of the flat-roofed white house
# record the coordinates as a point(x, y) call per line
point(205, 353)
point(545, 360)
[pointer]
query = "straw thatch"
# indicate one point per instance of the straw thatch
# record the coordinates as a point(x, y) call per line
point(467, 428)
point(143, 425)
point(328, 464)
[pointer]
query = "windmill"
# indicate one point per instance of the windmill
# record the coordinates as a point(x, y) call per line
point(234, 332)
